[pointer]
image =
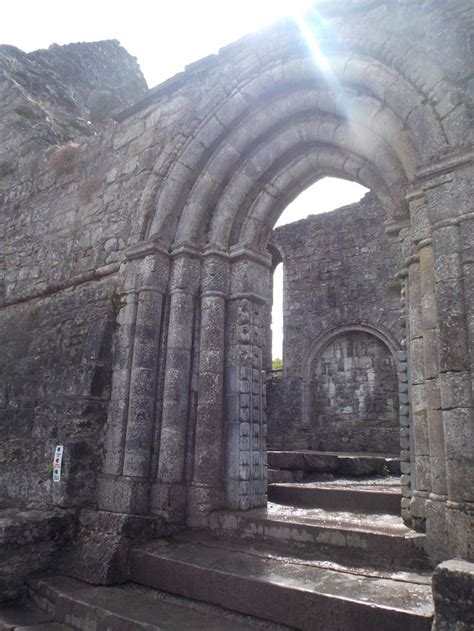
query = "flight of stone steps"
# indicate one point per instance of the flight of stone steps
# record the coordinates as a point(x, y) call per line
point(331, 554)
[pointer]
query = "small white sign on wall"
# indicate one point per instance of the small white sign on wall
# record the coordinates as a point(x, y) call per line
point(57, 463)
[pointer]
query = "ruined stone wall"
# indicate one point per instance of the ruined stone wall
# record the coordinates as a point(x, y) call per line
point(62, 235)
point(78, 178)
point(339, 272)
point(211, 157)
point(55, 362)
point(355, 396)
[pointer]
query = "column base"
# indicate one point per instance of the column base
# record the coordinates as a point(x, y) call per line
point(99, 552)
point(203, 499)
point(453, 586)
point(460, 527)
point(168, 501)
point(437, 545)
point(418, 510)
point(122, 494)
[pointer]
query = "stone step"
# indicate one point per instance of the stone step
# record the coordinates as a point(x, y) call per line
point(123, 608)
point(337, 498)
point(22, 615)
point(380, 540)
point(284, 590)
point(340, 463)
point(29, 541)
point(45, 626)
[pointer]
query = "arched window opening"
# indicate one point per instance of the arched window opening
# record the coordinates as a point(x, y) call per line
point(335, 270)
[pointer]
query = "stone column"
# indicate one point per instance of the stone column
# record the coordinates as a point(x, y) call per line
point(169, 491)
point(436, 504)
point(245, 404)
point(207, 490)
point(429, 497)
point(408, 375)
point(123, 485)
point(449, 192)
point(421, 484)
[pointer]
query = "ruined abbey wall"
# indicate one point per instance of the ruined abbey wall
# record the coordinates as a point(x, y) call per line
point(135, 271)
point(64, 230)
point(339, 387)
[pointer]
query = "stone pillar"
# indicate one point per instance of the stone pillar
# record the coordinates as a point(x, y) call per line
point(430, 495)
point(408, 278)
point(436, 504)
point(449, 192)
point(421, 484)
point(207, 489)
point(245, 403)
point(169, 491)
point(123, 485)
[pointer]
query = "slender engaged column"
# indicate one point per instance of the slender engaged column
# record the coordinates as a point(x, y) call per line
point(169, 492)
point(430, 495)
point(456, 388)
point(422, 483)
point(124, 484)
point(448, 188)
point(246, 423)
point(208, 491)
point(409, 369)
point(436, 505)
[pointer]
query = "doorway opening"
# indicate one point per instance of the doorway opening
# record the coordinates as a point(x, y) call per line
point(333, 414)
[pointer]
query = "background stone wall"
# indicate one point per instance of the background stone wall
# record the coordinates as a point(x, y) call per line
point(55, 363)
point(339, 271)
point(355, 396)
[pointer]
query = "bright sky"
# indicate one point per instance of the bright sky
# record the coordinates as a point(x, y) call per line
point(164, 37)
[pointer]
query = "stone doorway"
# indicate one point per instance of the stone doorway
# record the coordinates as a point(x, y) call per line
point(197, 264)
point(333, 410)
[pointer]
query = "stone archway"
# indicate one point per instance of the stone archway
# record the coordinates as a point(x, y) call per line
point(197, 262)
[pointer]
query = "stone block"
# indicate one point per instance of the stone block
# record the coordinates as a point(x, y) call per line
point(120, 494)
point(405, 467)
point(432, 394)
point(405, 455)
point(456, 389)
point(459, 433)
point(453, 594)
point(460, 526)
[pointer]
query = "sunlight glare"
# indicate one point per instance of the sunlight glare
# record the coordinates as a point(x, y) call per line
point(266, 11)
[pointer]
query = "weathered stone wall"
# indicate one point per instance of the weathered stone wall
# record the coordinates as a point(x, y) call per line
point(355, 399)
point(58, 262)
point(339, 272)
point(56, 363)
point(200, 168)
point(284, 411)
